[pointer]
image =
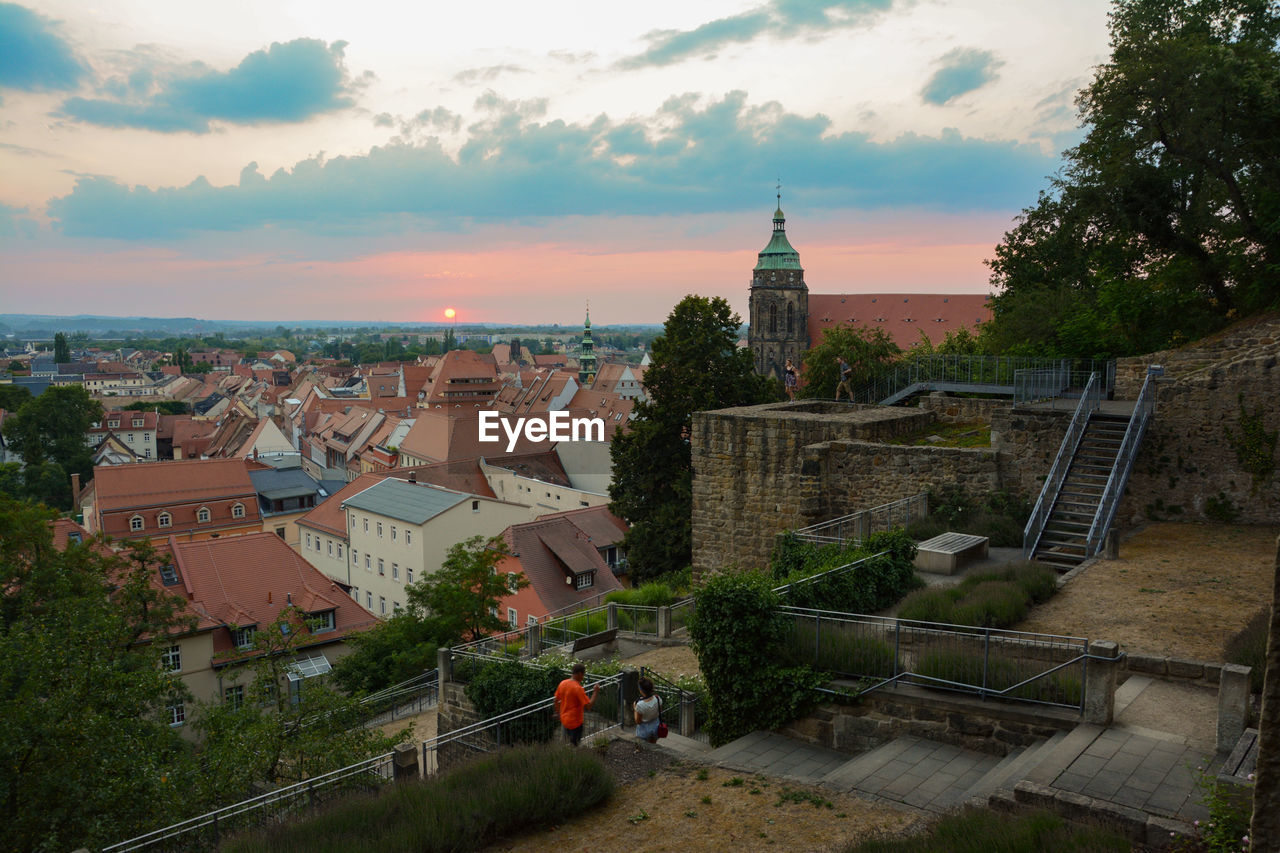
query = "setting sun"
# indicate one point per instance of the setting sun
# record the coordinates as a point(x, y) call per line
point(449, 313)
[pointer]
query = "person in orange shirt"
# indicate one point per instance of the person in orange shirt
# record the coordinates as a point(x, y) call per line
point(572, 701)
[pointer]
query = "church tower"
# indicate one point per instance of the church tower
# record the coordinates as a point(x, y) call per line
point(779, 304)
point(587, 356)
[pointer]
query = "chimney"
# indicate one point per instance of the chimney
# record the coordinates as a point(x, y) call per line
point(75, 489)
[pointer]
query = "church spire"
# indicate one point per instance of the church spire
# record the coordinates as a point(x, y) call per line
point(586, 354)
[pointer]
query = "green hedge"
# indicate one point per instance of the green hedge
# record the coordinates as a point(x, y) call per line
point(984, 830)
point(879, 583)
point(996, 598)
point(492, 797)
point(1000, 516)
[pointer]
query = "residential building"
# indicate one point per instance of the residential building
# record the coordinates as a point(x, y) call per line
point(135, 430)
point(189, 500)
point(623, 380)
point(285, 494)
point(568, 558)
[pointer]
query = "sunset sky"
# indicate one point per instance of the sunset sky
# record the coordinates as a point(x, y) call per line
point(314, 160)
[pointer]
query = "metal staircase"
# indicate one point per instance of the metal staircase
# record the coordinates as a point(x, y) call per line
point(1064, 541)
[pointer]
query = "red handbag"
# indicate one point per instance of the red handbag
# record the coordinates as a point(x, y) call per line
point(662, 730)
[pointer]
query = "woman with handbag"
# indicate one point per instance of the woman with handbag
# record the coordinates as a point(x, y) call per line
point(648, 708)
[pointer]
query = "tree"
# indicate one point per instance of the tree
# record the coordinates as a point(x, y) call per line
point(50, 430)
point(164, 407)
point(61, 349)
point(696, 366)
point(1165, 221)
point(282, 731)
point(867, 349)
point(394, 650)
point(12, 397)
point(465, 592)
point(86, 745)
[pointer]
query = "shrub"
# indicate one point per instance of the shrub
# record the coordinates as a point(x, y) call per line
point(1000, 516)
point(966, 667)
point(839, 651)
point(994, 598)
point(886, 575)
point(990, 604)
point(652, 594)
point(504, 686)
point(1248, 647)
point(981, 830)
point(494, 796)
point(929, 605)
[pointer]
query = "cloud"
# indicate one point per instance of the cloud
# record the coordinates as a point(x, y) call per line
point(36, 56)
point(961, 71)
point(287, 82)
point(781, 18)
point(488, 74)
point(693, 156)
point(14, 222)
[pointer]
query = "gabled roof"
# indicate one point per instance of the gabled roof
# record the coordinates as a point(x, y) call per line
point(281, 483)
point(558, 546)
point(155, 483)
point(902, 315)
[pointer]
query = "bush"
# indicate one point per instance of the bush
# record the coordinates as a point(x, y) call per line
point(991, 604)
point(1062, 687)
point(504, 686)
point(929, 605)
point(841, 651)
point(876, 584)
point(982, 830)
point(1000, 516)
point(995, 598)
point(1248, 647)
point(653, 594)
point(494, 796)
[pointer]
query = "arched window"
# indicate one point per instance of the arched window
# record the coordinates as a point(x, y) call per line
point(237, 510)
point(791, 319)
point(164, 519)
point(202, 515)
point(773, 319)
point(135, 523)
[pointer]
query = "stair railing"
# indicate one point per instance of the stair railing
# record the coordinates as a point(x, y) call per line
point(1110, 502)
point(1089, 402)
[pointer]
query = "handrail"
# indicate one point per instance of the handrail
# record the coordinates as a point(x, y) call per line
point(938, 369)
point(818, 533)
point(1119, 478)
point(1090, 400)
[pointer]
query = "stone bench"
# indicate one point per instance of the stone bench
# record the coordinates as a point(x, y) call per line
point(942, 553)
point(593, 640)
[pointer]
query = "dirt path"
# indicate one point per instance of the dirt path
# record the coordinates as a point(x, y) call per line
point(1178, 590)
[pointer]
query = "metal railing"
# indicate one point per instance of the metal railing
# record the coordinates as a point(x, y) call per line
point(1090, 400)
point(678, 708)
point(570, 624)
point(979, 373)
point(1110, 502)
point(853, 528)
point(811, 587)
point(406, 699)
point(534, 723)
point(271, 807)
point(1041, 669)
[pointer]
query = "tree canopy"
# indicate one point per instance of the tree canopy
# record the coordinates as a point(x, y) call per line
point(1164, 223)
point(48, 433)
point(696, 366)
point(866, 349)
point(464, 593)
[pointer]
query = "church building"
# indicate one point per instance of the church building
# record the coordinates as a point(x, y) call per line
point(786, 320)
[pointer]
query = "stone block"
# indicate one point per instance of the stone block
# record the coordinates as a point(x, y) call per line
point(1213, 672)
point(1132, 822)
point(1147, 664)
point(1233, 705)
point(1183, 668)
point(964, 725)
point(1163, 833)
point(1032, 794)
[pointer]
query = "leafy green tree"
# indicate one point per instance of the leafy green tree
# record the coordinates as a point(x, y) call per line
point(1165, 221)
point(464, 594)
point(16, 366)
point(12, 397)
point(279, 733)
point(49, 430)
point(88, 754)
point(164, 407)
point(696, 366)
point(867, 349)
point(61, 349)
point(394, 650)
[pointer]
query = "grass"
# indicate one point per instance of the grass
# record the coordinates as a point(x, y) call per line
point(983, 830)
point(996, 598)
point(976, 434)
point(494, 796)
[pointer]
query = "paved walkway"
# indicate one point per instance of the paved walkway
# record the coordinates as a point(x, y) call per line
point(1136, 773)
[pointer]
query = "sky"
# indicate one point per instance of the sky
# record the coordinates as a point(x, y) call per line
point(385, 160)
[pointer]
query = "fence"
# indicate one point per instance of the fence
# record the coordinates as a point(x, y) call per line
point(976, 373)
point(1142, 409)
point(1090, 400)
point(406, 699)
point(854, 528)
point(206, 830)
point(1042, 669)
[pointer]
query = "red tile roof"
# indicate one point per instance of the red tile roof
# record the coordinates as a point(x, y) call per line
point(902, 315)
point(557, 546)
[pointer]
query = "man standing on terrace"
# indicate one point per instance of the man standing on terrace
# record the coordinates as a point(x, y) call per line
point(572, 701)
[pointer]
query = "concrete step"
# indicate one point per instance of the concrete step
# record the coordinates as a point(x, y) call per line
point(1013, 772)
point(847, 776)
point(1059, 757)
point(682, 745)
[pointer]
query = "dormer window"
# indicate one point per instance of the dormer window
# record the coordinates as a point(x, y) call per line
point(137, 423)
point(113, 424)
point(322, 622)
point(164, 519)
point(135, 523)
point(237, 510)
point(168, 575)
point(203, 515)
point(585, 580)
point(243, 637)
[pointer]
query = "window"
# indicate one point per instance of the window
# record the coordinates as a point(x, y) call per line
point(329, 542)
point(242, 637)
point(512, 619)
point(355, 594)
point(382, 605)
point(353, 522)
point(408, 575)
point(584, 581)
point(475, 506)
point(395, 607)
point(177, 713)
point(146, 453)
point(202, 515)
point(164, 519)
point(381, 569)
point(317, 543)
point(171, 659)
point(128, 436)
point(533, 620)
point(395, 571)
point(137, 423)
point(280, 532)
point(135, 523)
point(393, 533)
point(113, 424)
point(408, 537)
point(339, 550)
point(379, 529)
point(368, 600)
point(513, 581)
point(367, 565)
point(234, 696)
point(308, 541)
point(324, 621)
point(168, 575)
point(146, 436)
point(366, 525)
point(237, 510)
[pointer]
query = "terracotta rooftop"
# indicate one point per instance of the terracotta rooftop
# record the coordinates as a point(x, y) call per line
point(902, 315)
point(560, 545)
point(154, 483)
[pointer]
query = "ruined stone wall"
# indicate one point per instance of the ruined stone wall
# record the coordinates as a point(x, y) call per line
point(1190, 466)
point(1257, 338)
point(762, 470)
point(1027, 441)
point(962, 410)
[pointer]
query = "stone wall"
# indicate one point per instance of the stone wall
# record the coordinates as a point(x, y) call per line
point(1027, 441)
point(762, 470)
point(1189, 468)
point(962, 410)
point(1260, 337)
point(879, 717)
